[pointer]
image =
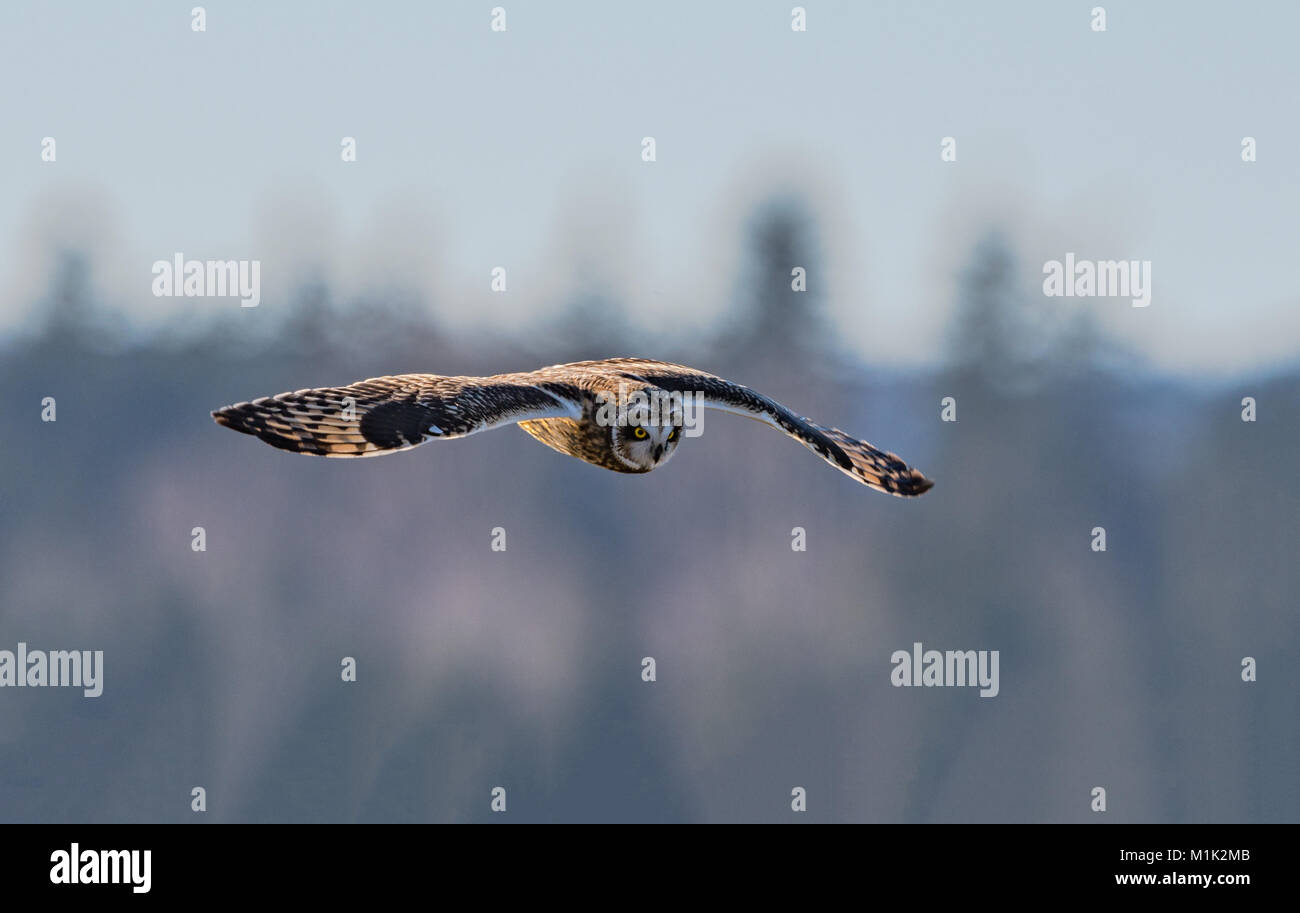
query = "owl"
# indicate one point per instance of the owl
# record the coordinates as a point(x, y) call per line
point(624, 414)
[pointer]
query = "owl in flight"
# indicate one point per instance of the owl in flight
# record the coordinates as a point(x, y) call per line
point(571, 408)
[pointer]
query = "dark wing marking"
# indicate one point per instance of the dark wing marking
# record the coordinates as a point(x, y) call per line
point(387, 414)
point(869, 465)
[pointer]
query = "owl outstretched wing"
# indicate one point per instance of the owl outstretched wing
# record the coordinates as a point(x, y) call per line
point(868, 464)
point(388, 414)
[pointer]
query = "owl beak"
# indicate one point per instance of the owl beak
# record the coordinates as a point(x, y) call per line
point(659, 451)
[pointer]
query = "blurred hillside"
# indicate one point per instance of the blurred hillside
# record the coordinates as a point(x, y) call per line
point(522, 668)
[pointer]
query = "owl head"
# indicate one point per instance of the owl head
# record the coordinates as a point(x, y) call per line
point(644, 446)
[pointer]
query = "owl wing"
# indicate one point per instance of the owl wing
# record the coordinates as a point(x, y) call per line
point(388, 414)
point(869, 465)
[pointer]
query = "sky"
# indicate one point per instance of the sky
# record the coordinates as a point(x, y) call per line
point(523, 149)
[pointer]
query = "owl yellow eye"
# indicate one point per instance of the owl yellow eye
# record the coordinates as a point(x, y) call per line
point(672, 435)
point(640, 433)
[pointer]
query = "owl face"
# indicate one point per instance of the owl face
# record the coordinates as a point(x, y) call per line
point(645, 447)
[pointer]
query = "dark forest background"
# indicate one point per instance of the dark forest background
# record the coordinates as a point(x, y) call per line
point(522, 668)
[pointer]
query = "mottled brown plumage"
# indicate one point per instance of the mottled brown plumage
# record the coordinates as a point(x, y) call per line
point(562, 406)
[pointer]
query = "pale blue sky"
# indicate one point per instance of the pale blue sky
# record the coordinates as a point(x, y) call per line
point(522, 149)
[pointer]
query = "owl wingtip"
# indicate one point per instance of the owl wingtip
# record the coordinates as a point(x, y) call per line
point(919, 485)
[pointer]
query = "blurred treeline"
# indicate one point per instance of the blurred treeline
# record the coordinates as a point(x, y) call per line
point(523, 668)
